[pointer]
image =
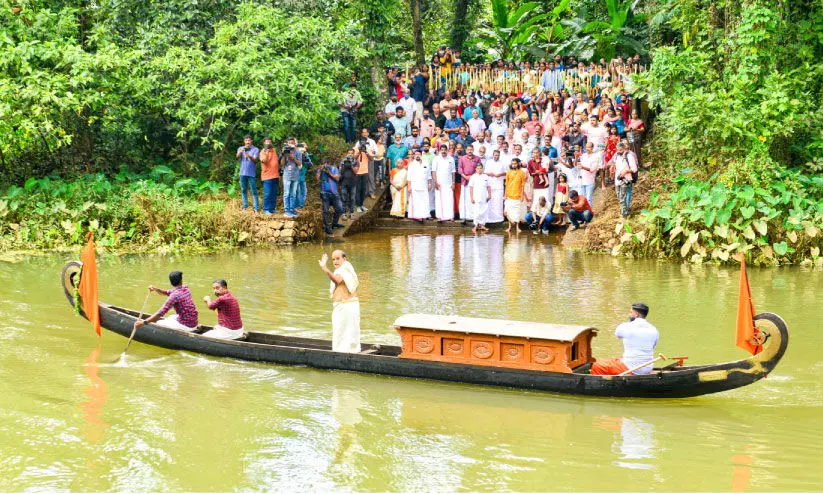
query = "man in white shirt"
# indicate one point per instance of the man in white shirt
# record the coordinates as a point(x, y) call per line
point(595, 133)
point(498, 127)
point(625, 166)
point(409, 106)
point(443, 180)
point(496, 171)
point(589, 163)
point(476, 125)
point(639, 341)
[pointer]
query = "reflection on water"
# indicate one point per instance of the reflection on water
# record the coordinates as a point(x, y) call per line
point(98, 396)
point(174, 421)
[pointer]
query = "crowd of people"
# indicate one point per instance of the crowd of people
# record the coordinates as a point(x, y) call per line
point(525, 143)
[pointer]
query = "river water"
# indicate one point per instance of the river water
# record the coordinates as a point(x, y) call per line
point(174, 421)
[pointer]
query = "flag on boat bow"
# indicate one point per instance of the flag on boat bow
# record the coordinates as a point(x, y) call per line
point(88, 284)
point(747, 334)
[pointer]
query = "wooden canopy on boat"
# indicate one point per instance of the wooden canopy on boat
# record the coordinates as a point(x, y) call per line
point(495, 342)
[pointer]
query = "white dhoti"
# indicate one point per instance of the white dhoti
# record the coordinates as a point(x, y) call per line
point(514, 210)
point(495, 212)
point(172, 323)
point(444, 202)
point(431, 200)
point(419, 204)
point(465, 206)
point(224, 333)
point(538, 193)
point(345, 321)
point(481, 212)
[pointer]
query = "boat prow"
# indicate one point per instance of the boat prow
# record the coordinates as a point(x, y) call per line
point(675, 382)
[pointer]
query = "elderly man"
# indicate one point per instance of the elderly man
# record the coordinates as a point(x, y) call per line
point(443, 180)
point(639, 340)
point(345, 317)
point(229, 324)
point(466, 167)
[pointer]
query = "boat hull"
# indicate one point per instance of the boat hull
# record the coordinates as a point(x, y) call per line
point(680, 382)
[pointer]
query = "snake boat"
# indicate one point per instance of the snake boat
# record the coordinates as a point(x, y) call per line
point(542, 357)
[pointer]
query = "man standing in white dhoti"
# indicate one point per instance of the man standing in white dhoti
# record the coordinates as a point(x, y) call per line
point(465, 167)
point(345, 317)
point(479, 193)
point(443, 179)
point(419, 185)
point(496, 171)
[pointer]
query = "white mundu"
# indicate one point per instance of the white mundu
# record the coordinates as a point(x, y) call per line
point(345, 317)
point(478, 185)
point(639, 339)
point(498, 186)
point(443, 168)
point(419, 184)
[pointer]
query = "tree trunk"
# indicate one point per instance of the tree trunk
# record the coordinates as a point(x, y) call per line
point(460, 28)
point(378, 80)
point(417, 30)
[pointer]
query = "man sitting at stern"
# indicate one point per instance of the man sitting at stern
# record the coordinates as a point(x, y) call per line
point(180, 299)
point(229, 325)
point(639, 340)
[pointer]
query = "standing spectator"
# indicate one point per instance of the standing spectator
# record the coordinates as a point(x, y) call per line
point(625, 168)
point(290, 168)
point(409, 107)
point(380, 156)
point(496, 171)
point(365, 150)
point(466, 167)
point(248, 155)
point(438, 116)
point(400, 122)
point(479, 193)
point(305, 162)
point(589, 163)
point(351, 102)
point(578, 210)
point(397, 151)
point(634, 133)
point(348, 182)
point(387, 126)
point(498, 127)
point(453, 124)
point(596, 133)
point(443, 181)
point(415, 140)
point(540, 179)
point(427, 125)
point(515, 183)
point(270, 174)
point(328, 176)
point(468, 112)
point(391, 106)
point(419, 184)
point(477, 127)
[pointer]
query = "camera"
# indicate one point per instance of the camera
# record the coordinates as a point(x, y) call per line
point(564, 204)
point(348, 162)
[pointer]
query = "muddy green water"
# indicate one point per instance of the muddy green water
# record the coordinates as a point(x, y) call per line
point(174, 421)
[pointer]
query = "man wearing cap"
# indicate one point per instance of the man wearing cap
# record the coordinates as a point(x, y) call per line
point(639, 340)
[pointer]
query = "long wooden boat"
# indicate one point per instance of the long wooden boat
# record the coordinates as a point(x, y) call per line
point(666, 382)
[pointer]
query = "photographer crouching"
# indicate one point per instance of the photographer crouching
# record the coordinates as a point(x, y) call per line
point(329, 176)
point(578, 210)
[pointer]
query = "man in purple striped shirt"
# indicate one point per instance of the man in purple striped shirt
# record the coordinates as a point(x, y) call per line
point(180, 299)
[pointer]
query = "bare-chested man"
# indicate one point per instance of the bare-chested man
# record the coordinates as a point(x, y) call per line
point(345, 317)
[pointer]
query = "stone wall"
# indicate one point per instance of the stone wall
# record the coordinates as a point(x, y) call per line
point(278, 229)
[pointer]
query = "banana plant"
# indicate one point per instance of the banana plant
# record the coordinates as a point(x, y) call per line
point(512, 30)
point(600, 39)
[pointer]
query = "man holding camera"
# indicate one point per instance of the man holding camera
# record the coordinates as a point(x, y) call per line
point(248, 155)
point(351, 102)
point(578, 210)
point(270, 174)
point(625, 171)
point(364, 150)
point(290, 168)
point(329, 175)
point(348, 182)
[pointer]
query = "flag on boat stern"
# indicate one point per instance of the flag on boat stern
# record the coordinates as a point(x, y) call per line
point(88, 284)
point(746, 331)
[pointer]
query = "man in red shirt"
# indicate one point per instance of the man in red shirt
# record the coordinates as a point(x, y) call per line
point(229, 325)
point(578, 210)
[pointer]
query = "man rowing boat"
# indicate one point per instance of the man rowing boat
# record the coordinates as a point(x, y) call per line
point(639, 339)
point(179, 298)
point(345, 317)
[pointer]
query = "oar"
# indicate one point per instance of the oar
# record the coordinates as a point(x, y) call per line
point(659, 357)
point(134, 328)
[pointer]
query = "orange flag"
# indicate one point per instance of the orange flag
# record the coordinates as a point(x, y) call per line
point(88, 284)
point(745, 313)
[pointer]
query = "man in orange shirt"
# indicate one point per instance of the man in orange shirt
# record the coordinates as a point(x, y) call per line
point(578, 210)
point(515, 182)
point(270, 174)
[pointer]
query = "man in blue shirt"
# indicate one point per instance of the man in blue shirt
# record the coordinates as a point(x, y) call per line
point(290, 171)
point(302, 154)
point(328, 175)
point(248, 155)
point(467, 112)
point(453, 124)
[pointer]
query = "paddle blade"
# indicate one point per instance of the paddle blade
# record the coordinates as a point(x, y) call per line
point(745, 313)
point(88, 285)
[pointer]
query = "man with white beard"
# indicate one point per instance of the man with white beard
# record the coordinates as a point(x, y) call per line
point(443, 181)
point(498, 127)
point(496, 171)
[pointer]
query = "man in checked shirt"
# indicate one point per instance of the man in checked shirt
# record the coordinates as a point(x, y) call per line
point(180, 299)
point(229, 325)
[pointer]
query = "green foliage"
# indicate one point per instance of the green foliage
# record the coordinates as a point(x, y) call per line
point(597, 37)
point(777, 223)
point(512, 30)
